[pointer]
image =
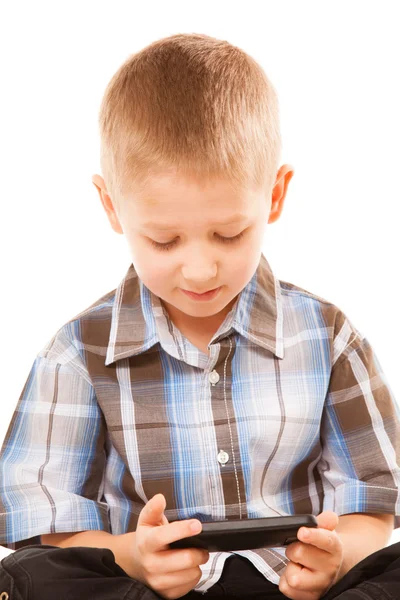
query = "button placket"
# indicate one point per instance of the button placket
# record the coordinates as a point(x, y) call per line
point(223, 457)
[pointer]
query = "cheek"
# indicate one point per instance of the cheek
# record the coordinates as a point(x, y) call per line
point(151, 269)
point(153, 274)
point(244, 265)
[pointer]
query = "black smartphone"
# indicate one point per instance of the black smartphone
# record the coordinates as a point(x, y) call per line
point(247, 534)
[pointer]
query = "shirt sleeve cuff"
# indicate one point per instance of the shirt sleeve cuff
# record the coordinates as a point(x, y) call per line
point(70, 513)
point(361, 497)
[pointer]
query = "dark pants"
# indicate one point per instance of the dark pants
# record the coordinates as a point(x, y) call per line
point(43, 572)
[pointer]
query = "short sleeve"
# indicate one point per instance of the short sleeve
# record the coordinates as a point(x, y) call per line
point(360, 436)
point(53, 456)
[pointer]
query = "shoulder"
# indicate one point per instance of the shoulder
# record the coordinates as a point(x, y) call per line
point(317, 312)
point(67, 344)
point(291, 290)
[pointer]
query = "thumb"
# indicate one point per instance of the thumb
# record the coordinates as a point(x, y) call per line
point(152, 513)
point(328, 520)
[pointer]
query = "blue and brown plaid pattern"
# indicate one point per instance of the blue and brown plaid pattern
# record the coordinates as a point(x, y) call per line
point(119, 406)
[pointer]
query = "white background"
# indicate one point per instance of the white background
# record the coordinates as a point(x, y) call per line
point(336, 70)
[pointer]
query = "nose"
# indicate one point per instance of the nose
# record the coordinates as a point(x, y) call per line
point(199, 271)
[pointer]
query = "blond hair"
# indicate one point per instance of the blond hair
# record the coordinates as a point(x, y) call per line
point(192, 104)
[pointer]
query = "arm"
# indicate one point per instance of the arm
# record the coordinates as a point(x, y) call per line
point(61, 419)
point(362, 535)
point(359, 470)
point(120, 545)
point(360, 438)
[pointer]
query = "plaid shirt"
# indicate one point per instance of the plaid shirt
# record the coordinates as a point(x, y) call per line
point(119, 406)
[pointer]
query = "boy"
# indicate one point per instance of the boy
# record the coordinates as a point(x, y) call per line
point(202, 388)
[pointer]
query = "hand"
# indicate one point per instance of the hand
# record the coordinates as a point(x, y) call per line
point(315, 560)
point(170, 573)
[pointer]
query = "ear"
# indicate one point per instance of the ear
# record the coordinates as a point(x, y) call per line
point(284, 175)
point(107, 203)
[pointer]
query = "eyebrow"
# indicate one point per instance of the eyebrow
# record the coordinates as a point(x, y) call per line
point(235, 219)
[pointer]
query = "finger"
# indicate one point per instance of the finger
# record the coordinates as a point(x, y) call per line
point(307, 555)
point(305, 580)
point(290, 592)
point(321, 538)
point(328, 520)
point(159, 537)
point(152, 513)
point(183, 588)
point(179, 560)
point(185, 559)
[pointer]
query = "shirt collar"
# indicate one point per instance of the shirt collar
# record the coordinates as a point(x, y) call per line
point(139, 321)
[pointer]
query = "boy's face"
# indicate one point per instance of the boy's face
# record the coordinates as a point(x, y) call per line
point(193, 220)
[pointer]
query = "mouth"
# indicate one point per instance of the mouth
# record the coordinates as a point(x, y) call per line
point(210, 294)
point(200, 293)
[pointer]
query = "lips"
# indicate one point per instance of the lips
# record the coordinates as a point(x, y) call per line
point(205, 296)
point(200, 293)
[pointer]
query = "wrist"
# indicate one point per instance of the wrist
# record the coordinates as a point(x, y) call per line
point(122, 549)
point(347, 560)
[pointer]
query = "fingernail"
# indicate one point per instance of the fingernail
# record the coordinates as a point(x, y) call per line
point(305, 533)
point(195, 526)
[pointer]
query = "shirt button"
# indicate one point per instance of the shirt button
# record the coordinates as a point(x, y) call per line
point(223, 457)
point(213, 377)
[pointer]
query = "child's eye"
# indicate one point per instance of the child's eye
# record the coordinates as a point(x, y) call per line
point(227, 240)
point(159, 246)
point(222, 239)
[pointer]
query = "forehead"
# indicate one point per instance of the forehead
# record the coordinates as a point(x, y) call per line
point(168, 201)
point(235, 219)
